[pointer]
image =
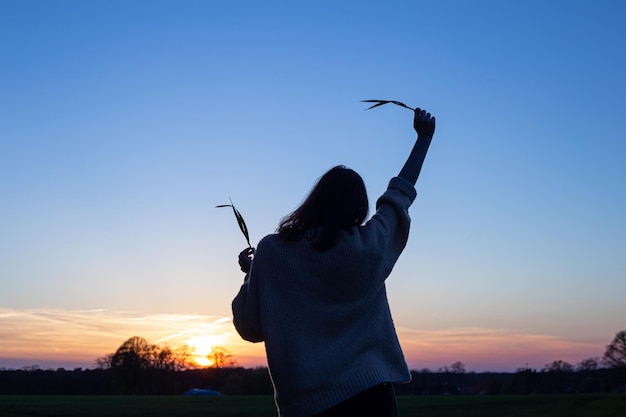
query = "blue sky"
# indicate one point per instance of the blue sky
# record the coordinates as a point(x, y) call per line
point(123, 124)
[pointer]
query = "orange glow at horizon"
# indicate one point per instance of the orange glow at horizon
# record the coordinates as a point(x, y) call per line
point(62, 337)
point(491, 349)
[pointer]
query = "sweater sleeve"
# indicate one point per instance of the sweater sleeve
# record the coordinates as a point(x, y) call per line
point(392, 216)
point(404, 186)
point(245, 306)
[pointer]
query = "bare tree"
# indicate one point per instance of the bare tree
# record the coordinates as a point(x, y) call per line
point(104, 362)
point(221, 357)
point(181, 358)
point(135, 353)
point(615, 355)
point(558, 366)
point(172, 360)
point(457, 367)
point(589, 364)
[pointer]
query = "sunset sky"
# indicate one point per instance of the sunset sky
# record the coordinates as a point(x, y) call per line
point(124, 123)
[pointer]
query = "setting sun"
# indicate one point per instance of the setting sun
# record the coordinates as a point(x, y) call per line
point(201, 348)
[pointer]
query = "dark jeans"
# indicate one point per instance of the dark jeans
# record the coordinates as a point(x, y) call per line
point(379, 401)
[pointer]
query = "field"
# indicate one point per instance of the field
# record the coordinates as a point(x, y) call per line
point(571, 405)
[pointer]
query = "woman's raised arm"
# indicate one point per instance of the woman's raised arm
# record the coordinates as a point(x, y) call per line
point(424, 125)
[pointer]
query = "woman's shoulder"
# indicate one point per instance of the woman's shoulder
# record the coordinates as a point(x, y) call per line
point(270, 242)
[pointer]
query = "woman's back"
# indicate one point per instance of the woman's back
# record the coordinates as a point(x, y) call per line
point(324, 315)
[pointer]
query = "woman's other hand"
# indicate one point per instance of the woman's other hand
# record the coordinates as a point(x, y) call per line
point(245, 259)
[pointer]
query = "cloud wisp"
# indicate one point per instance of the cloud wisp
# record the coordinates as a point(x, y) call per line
point(84, 335)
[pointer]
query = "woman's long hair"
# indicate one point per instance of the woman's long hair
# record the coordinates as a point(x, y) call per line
point(338, 201)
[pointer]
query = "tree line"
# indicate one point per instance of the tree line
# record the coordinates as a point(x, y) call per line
point(140, 368)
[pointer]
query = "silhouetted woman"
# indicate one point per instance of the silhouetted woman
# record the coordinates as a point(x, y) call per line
point(315, 294)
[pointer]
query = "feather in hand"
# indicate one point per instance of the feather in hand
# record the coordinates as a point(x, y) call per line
point(381, 102)
point(240, 221)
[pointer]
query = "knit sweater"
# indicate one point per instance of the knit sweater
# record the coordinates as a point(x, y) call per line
point(324, 315)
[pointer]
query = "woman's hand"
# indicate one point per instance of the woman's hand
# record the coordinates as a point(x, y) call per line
point(424, 124)
point(245, 259)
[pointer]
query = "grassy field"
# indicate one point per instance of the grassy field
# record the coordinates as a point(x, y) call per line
point(573, 405)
